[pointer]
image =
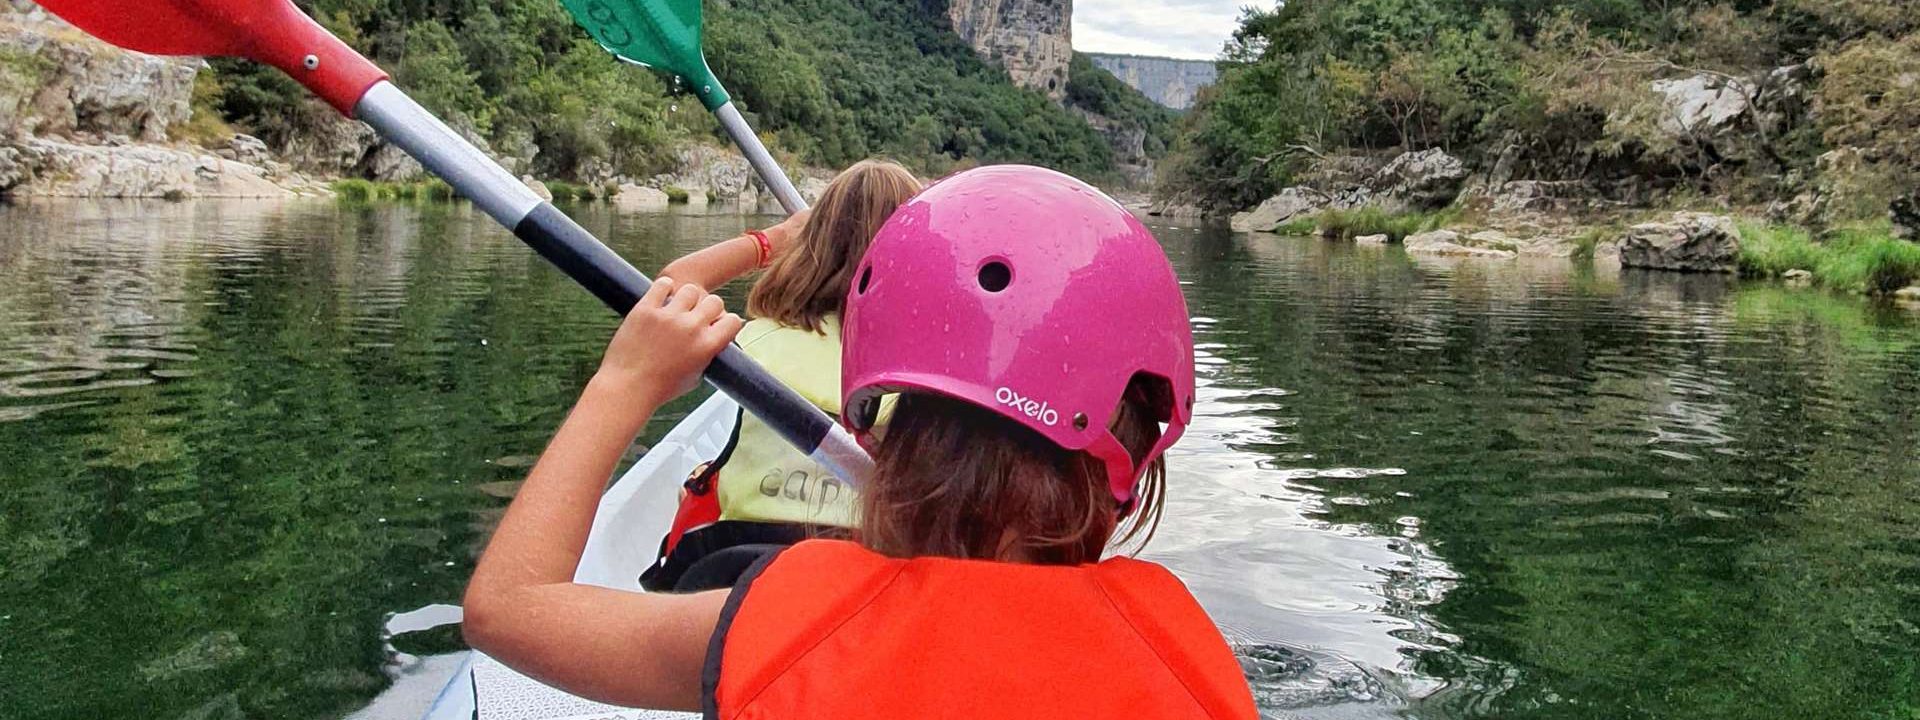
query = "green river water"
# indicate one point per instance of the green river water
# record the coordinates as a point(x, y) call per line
point(234, 436)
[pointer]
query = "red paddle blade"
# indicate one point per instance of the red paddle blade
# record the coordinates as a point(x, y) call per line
point(269, 31)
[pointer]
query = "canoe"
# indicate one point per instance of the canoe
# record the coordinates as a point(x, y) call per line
point(632, 518)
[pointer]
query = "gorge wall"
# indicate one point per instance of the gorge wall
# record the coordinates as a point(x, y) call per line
point(1032, 39)
point(1167, 81)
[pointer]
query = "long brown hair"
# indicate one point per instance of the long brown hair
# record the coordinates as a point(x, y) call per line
point(809, 281)
point(953, 479)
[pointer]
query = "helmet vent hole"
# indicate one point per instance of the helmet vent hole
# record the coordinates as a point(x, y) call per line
point(995, 276)
point(866, 276)
point(1079, 421)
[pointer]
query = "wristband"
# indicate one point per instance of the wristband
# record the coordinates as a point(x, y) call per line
point(762, 247)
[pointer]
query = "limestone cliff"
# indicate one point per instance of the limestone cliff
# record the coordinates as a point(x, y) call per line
point(1167, 81)
point(1032, 39)
point(81, 118)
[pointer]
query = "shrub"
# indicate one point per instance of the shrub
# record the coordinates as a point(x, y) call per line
point(675, 194)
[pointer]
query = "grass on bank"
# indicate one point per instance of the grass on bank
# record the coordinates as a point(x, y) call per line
point(1863, 259)
point(357, 190)
point(1350, 224)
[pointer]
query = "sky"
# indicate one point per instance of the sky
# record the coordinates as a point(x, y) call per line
point(1193, 29)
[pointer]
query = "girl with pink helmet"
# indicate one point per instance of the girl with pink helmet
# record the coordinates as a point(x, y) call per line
point(1039, 345)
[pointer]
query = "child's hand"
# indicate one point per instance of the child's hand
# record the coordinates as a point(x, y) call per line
point(666, 340)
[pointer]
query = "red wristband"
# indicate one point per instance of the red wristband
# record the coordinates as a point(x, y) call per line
point(763, 248)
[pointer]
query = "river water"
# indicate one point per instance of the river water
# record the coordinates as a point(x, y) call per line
point(234, 436)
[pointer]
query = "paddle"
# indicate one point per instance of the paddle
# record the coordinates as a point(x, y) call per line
point(666, 34)
point(277, 33)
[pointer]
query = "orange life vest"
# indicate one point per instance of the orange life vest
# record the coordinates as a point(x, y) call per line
point(829, 629)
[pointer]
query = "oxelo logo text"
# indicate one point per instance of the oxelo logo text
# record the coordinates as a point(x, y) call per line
point(1027, 406)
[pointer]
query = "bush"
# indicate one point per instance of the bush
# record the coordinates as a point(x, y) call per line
point(675, 194)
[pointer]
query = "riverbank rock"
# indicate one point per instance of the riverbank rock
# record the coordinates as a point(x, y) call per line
point(640, 198)
point(1702, 104)
point(1423, 180)
point(721, 173)
point(1176, 209)
point(1797, 278)
point(811, 188)
point(1689, 242)
point(1905, 214)
point(62, 169)
point(1909, 294)
point(1371, 240)
point(1290, 203)
point(538, 188)
point(1449, 243)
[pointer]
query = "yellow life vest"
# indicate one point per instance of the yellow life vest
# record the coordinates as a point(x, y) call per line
point(765, 479)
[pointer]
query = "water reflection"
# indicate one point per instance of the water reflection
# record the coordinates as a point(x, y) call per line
point(235, 437)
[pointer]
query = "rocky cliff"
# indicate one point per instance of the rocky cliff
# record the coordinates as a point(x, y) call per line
point(1167, 81)
point(80, 118)
point(1032, 39)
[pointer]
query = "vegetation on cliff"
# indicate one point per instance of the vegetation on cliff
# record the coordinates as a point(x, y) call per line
point(829, 81)
point(1817, 99)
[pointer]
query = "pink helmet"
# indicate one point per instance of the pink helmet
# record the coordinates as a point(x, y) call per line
point(1024, 291)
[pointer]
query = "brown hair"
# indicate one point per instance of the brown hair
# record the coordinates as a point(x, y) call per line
point(953, 479)
point(809, 280)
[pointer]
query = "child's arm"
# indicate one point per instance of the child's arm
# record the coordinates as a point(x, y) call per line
point(722, 262)
point(633, 649)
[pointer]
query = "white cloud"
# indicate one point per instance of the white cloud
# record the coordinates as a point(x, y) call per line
point(1193, 29)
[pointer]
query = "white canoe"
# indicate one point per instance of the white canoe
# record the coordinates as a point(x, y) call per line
point(633, 516)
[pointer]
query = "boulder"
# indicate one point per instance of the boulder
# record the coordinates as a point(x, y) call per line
point(1448, 243)
point(1288, 204)
point(1910, 293)
point(1797, 277)
point(1426, 179)
point(538, 188)
point(1905, 214)
point(388, 163)
point(12, 168)
point(249, 149)
point(722, 173)
point(1702, 104)
point(1371, 240)
point(326, 143)
point(1689, 242)
point(641, 197)
point(1534, 196)
point(1176, 209)
point(810, 188)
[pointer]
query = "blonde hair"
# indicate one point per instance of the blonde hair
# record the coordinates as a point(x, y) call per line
point(809, 281)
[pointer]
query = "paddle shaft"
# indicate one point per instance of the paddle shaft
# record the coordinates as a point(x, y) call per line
point(609, 277)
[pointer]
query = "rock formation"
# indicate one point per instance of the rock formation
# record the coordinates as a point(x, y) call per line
point(81, 118)
point(1691, 242)
point(1168, 81)
point(1032, 39)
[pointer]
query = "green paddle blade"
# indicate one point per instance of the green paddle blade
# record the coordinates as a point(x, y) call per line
point(657, 33)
